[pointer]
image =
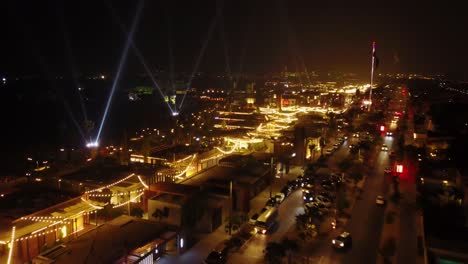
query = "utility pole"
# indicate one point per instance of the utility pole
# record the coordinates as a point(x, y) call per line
point(129, 202)
point(230, 207)
point(272, 176)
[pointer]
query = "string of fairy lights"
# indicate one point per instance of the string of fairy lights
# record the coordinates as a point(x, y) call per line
point(132, 200)
point(116, 194)
point(112, 184)
point(54, 220)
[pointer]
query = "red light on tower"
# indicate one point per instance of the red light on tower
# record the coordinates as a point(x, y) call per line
point(399, 168)
point(382, 128)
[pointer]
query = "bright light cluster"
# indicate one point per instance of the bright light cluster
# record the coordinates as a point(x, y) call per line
point(92, 144)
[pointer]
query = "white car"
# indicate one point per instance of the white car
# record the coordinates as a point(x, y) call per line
point(380, 200)
point(280, 197)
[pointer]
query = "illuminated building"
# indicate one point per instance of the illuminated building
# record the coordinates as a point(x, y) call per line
point(124, 239)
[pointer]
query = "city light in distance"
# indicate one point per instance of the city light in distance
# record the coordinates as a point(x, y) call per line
point(175, 113)
point(92, 144)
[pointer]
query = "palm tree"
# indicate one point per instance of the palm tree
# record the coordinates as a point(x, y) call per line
point(274, 252)
point(137, 211)
point(312, 151)
point(322, 145)
point(290, 246)
point(158, 214)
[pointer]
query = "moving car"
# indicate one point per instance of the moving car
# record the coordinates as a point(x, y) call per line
point(389, 134)
point(342, 241)
point(384, 147)
point(380, 200)
point(387, 170)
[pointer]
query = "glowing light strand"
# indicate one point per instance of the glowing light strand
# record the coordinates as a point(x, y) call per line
point(90, 204)
point(230, 151)
point(187, 168)
point(129, 201)
point(113, 194)
point(112, 184)
point(142, 182)
point(12, 245)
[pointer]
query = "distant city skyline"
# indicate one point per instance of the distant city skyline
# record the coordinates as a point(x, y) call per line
point(59, 38)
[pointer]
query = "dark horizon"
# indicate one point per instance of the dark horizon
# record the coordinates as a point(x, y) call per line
point(56, 38)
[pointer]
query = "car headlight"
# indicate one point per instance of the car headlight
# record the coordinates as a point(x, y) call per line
point(333, 241)
point(341, 244)
point(263, 231)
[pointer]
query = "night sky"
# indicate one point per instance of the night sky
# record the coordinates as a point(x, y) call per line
point(55, 37)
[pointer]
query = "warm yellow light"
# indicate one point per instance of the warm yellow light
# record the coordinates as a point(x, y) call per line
point(64, 231)
point(11, 244)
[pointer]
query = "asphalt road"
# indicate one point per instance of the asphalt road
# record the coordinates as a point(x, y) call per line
point(367, 218)
point(252, 251)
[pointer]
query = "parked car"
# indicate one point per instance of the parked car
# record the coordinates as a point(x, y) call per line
point(328, 195)
point(380, 200)
point(271, 202)
point(253, 219)
point(217, 257)
point(286, 190)
point(280, 197)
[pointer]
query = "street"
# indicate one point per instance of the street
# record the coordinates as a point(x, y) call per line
point(252, 251)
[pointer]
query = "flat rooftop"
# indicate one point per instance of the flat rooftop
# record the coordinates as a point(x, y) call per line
point(179, 151)
point(110, 241)
point(99, 174)
point(223, 175)
point(171, 198)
